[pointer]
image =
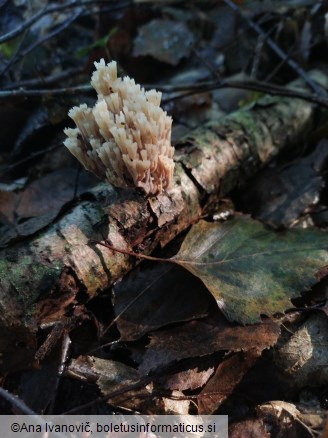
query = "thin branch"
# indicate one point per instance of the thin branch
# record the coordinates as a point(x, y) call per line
point(283, 55)
point(45, 92)
point(21, 54)
point(25, 25)
point(55, 8)
point(15, 53)
point(65, 347)
point(16, 402)
point(7, 168)
point(207, 64)
point(51, 34)
point(51, 79)
point(19, 405)
point(134, 386)
point(264, 87)
point(191, 89)
point(132, 253)
point(258, 53)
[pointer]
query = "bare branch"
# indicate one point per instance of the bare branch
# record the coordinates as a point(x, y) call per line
point(21, 54)
point(283, 55)
point(191, 89)
point(132, 387)
point(56, 8)
point(51, 79)
point(16, 402)
point(42, 92)
point(265, 87)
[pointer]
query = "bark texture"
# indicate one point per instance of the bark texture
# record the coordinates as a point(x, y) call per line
point(41, 276)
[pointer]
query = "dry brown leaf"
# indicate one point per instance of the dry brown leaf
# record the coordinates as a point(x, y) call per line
point(197, 339)
point(249, 428)
point(188, 380)
point(228, 374)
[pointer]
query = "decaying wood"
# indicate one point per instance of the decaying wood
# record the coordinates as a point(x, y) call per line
point(41, 276)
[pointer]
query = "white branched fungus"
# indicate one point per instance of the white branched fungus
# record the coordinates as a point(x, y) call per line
point(125, 137)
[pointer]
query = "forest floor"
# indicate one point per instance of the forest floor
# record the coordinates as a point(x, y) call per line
point(229, 313)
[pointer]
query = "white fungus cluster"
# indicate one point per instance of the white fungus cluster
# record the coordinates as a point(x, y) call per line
point(125, 137)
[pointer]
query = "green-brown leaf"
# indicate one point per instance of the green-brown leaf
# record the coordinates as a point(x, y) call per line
point(250, 269)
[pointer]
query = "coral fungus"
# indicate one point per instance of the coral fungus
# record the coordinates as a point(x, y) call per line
point(125, 137)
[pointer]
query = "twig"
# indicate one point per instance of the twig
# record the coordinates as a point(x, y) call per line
point(66, 342)
point(259, 48)
point(42, 92)
point(258, 52)
point(51, 34)
point(24, 409)
point(131, 253)
point(15, 53)
point(16, 402)
point(207, 64)
point(55, 8)
point(283, 55)
point(8, 168)
point(201, 87)
point(134, 386)
point(274, 90)
point(51, 79)
point(21, 54)
point(59, 330)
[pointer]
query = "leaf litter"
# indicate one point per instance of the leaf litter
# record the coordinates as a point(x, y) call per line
point(251, 269)
point(280, 195)
point(251, 340)
point(227, 376)
point(165, 40)
point(202, 338)
point(25, 212)
point(153, 296)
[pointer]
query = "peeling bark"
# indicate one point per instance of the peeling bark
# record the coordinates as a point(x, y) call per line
point(40, 276)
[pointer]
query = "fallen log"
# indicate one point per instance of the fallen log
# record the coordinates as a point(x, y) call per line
point(40, 276)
